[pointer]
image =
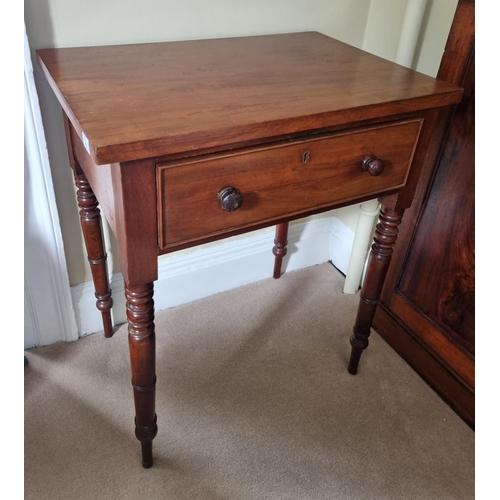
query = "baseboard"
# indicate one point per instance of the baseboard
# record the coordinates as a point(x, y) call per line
point(192, 274)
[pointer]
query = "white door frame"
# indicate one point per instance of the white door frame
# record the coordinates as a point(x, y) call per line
point(49, 315)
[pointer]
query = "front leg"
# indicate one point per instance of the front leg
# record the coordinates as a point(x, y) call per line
point(378, 264)
point(141, 329)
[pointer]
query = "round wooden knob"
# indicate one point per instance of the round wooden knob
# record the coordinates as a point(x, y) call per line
point(230, 199)
point(372, 165)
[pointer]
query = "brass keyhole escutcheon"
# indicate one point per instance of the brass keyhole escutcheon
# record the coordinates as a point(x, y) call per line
point(306, 155)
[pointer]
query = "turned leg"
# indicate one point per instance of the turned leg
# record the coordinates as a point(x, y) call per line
point(90, 218)
point(378, 263)
point(141, 329)
point(279, 249)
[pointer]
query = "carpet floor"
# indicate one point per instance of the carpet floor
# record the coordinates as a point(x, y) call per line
point(254, 402)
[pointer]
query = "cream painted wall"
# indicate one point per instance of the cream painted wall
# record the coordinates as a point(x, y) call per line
point(383, 27)
point(435, 28)
point(383, 30)
point(373, 25)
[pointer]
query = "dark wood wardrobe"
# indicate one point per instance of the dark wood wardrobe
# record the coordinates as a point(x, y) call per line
point(426, 311)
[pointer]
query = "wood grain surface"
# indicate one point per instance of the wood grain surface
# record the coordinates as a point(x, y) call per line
point(130, 102)
point(276, 181)
point(427, 311)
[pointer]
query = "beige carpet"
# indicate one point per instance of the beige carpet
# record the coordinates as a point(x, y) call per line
point(254, 402)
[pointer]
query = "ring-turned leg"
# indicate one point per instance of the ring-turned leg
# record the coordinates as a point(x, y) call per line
point(90, 219)
point(279, 249)
point(141, 329)
point(378, 264)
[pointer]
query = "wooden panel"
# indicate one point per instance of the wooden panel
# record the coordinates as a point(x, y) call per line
point(437, 374)
point(444, 348)
point(134, 190)
point(427, 307)
point(98, 176)
point(277, 182)
point(139, 101)
point(443, 247)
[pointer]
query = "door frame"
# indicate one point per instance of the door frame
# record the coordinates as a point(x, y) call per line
point(48, 308)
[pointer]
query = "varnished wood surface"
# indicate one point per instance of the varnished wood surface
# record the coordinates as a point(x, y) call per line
point(459, 45)
point(134, 189)
point(443, 250)
point(444, 381)
point(99, 177)
point(138, 101)
point(90, 220)
point(142, 346)
point(277, 182)
point(280, 247)
point(384, 240)
point(430, 321)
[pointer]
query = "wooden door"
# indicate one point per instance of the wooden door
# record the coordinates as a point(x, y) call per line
point(427, 307)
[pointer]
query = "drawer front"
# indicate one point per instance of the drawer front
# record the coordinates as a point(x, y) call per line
point(280, 180)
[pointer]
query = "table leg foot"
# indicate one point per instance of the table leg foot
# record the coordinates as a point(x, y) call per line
point(352, 368)
point(279, 249)
point(378, 264)
point(147, 454)
point(140, 315)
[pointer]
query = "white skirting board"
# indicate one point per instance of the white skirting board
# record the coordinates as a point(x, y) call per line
point(208, 269)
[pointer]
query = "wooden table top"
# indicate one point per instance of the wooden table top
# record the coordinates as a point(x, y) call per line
point(144, 100)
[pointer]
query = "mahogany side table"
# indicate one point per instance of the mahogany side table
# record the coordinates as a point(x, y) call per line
point(188, 142)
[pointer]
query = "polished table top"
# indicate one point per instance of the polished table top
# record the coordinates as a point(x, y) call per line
point(143, 100)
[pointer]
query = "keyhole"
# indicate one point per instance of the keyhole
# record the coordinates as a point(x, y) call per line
point(305, 156)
